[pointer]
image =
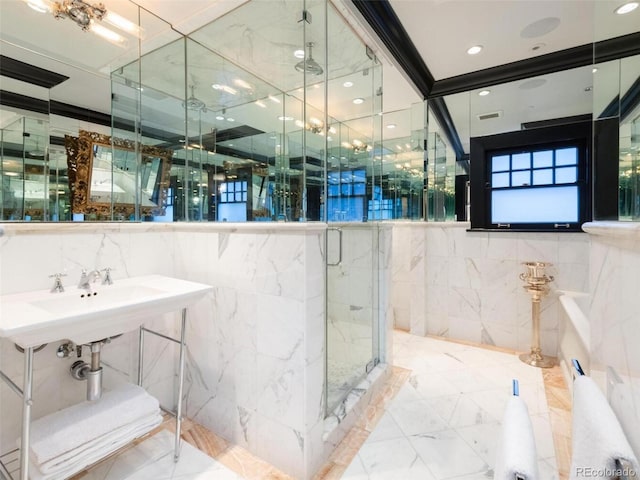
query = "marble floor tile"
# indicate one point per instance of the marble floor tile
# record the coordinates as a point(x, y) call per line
point(153, 458)
point(483, 439)
point(459, 410)
point(416, 417)
point(436, 418)
point(447, 454)
point(389, 460)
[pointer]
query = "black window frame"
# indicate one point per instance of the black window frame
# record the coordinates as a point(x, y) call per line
point(543, 138)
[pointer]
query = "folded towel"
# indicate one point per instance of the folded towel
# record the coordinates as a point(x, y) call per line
point(597, 438)
point(67, 429)
point(73, 465)
point(625, 403)
point(517, 449)
point(99, 444)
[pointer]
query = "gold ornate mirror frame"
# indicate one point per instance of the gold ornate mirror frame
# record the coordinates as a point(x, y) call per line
point(80, 167)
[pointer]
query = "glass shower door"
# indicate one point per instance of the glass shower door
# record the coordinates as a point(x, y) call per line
point(352, 291)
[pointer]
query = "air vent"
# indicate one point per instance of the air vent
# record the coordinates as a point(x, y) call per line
point(487, 116)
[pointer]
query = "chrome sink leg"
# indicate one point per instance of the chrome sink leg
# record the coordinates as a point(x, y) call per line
point(176, 454)
point(26, 413)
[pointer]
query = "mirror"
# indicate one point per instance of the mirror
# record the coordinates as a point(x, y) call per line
point(107, 181)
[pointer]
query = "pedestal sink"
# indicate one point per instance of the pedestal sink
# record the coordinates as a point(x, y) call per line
point(33, 318)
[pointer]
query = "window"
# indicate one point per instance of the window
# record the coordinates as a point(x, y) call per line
point(532, 179)
point(535, 186)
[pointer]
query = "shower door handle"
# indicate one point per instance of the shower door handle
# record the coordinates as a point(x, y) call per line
point(339, 230)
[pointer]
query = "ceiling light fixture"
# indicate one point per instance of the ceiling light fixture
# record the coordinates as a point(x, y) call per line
point(260, 104)
point(242, 84)
point(285, 118)
point(347, 84)
point(87, 16)
point(392, 125)
point(484, 93)
point(224, 88)
point(474, 50)
point(38, 5)
point(274, 99)
point(358, 101)
point(626, 8)
point(298, 54)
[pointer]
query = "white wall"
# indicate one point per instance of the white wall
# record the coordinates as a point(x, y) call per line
point(465, 285)
point(614, 283)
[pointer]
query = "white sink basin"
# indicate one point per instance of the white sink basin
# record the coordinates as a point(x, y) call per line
point(33, 318)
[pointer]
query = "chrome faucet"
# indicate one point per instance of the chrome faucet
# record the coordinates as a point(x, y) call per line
point(57, 283)
point(87, 278)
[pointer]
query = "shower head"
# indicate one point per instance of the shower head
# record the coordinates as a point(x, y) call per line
point(308, 64)
point(194, 103)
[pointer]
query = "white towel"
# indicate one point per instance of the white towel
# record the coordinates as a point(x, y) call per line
point(67, 429)
point(107, 445)
point(625, 403)
point(104, 442)
point(517, 448)
point(597, 438)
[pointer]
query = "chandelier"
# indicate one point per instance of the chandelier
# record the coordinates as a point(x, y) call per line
point(87, 16)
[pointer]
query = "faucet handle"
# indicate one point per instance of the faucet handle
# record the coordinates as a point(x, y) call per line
point(57, 283)
point(107, 280)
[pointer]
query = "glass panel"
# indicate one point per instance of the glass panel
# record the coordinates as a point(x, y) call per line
point(520, 161)
point(500, 163)
point(499, 180)
point(566, 156)
point(566, 175)
point(553, 204)
point(521, 178)
point(543, 177)
point(543, 159)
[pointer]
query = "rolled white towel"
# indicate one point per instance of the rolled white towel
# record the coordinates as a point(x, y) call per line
point(625, 403)
point(517, 448)
point(67, 429)
point(61, 469)
point(597, 438)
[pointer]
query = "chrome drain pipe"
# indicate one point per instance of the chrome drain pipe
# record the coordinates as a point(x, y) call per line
point(81, 370)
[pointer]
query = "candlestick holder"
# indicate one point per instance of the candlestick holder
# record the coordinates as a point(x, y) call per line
point(537, 286)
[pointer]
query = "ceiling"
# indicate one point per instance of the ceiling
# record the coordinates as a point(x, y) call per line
point(440, 30)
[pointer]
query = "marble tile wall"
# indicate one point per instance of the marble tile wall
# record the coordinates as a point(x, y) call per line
point(464, 285)
point(615, 326)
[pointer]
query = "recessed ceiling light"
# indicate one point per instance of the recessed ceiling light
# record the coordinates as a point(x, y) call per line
point(594, 70)
point(285, 119)
point(392, 125)
point(475, 50)
point(229, 119)
point(242, 84)
point(219, 117)
point(626, 8)
point(38, 5)
point(347, 84)
point(484, 93)
point(260, 104)
point(358, 101)
point(274, 99)
point(298, 54)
